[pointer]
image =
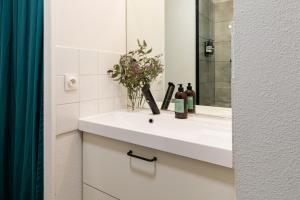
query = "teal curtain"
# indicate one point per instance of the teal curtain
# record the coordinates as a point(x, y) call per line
point(21, 99)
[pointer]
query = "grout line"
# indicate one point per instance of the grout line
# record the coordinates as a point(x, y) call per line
point(69, 133)
point(88, 74)
point(84, 101)
point(62, 104)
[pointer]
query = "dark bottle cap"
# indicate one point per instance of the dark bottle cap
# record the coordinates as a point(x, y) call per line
point(189, 87)
point(171, 84)
point(180, 88)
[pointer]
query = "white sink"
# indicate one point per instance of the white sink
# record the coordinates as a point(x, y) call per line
point(203, 138)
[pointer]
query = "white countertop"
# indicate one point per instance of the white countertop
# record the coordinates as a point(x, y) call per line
point(200, 137)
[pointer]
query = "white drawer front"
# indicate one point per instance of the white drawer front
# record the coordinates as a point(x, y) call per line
point(107, 166)
point(90, 193)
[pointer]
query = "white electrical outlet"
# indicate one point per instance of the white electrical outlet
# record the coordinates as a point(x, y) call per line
point(71, 82)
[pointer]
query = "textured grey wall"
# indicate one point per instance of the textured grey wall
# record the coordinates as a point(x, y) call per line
point(266, 99)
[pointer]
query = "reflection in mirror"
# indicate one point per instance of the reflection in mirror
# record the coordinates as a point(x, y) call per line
point(214, 61)
point(195, 38)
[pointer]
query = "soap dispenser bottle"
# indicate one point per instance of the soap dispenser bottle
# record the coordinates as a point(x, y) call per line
point(181, 110)
point(191, 99)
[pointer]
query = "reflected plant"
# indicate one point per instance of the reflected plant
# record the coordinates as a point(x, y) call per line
point(136, 69)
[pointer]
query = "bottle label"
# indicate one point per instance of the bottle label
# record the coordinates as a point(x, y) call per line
point(209, 49)
point(190, 101)
point(179, 105)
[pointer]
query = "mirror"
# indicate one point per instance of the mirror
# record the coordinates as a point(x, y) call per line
point(195, 38)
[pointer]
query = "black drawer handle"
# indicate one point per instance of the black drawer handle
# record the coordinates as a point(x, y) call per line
point(130, 153)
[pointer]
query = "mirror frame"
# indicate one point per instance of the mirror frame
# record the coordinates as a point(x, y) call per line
point(197, 54)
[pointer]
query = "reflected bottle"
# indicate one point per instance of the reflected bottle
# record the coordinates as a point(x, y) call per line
point(181, 110)
point(191, 99)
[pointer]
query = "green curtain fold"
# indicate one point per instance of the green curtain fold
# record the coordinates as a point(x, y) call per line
point(21, 99)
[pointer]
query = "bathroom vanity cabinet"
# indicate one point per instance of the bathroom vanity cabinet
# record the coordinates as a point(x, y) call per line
point(109, 173)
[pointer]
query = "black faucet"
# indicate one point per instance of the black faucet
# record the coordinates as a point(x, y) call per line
point(150, 100)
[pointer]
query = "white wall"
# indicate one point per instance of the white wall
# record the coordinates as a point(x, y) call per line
point(180, 36)
point(169, 27)
point(91, 24)
point(90, 36)
point(266, 99)
point(49, 105)
point(145, 21)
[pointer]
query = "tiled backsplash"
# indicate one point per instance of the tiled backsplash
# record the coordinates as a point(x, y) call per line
point(96, 91)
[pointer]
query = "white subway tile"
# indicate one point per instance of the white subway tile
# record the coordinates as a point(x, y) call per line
point(62, 96)
point(67, 117)
point(121, 90)
point(88, 88)
point(88, 108)
point(68, 166)
point(120, 102)
point(107, 60)
point(111, 104)
point(106, 105)
point(67, 61)
point(109, 88)
point(106, 87)
point(88, 62)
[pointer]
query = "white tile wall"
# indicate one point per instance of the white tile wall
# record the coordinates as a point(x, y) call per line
point(97, 92)
point(88, 108)
point(91, 35)
point(107, 60)
point(111, 104)
point(62, 96)
point(67, 116)
point(68, 164)
point(106, 105)
point(89, 87)
point(88, 62)
point(107, 87)
point(67, 60)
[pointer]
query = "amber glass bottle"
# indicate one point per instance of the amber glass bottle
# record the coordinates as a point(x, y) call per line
point(191, 99)
point(181, 110)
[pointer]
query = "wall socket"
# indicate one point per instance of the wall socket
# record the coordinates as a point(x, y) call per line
point(71, 82)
